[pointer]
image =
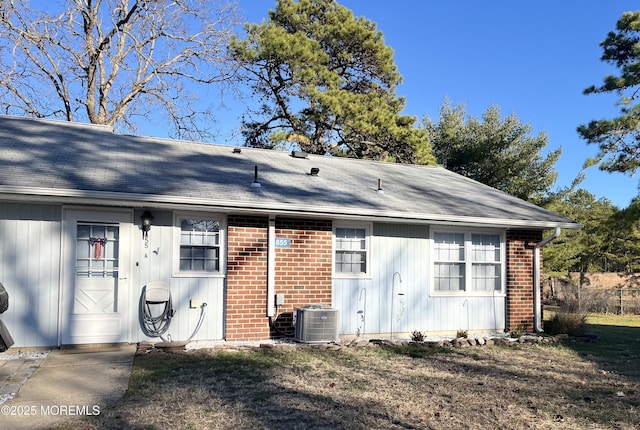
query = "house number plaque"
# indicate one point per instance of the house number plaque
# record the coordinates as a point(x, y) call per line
point(282, 242)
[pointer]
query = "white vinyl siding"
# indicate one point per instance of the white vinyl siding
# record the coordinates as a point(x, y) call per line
point(365, 301)
point(30, 261)
point(159, 261)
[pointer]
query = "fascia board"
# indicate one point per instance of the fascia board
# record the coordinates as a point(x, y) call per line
point(70, 196)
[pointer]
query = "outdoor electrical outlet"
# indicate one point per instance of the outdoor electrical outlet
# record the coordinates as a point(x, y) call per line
point(194, 303)
point(279, 299)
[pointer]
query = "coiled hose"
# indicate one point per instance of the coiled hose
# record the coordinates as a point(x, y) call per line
point(155, 325)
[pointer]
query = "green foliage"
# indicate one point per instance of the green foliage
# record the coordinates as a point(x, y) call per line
point(328, 77)
point(609, 240)
point(582, 250)
point(517, 332)
point(499, 152)
point(417, 336)
point(624, 230)
point(619, 138)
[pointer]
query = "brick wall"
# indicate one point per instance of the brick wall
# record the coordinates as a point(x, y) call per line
point(246, 296)
point(520, 309)
point(302, 273)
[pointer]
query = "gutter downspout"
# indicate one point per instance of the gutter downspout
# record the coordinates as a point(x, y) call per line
point(271, 266)
point(537, 307)
point(62, 267)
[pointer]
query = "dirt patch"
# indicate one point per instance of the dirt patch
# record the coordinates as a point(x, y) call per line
point(606, 280)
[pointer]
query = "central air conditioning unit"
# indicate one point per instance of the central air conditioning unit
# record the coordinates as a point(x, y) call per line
point(317, 324)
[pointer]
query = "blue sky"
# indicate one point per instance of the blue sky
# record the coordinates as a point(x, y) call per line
point(532, 59)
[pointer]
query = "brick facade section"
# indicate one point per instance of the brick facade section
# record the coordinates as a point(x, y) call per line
point(302, 273)
point(246, 294)
point(520, 306)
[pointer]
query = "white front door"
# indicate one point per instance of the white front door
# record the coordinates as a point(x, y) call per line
point(96, 297)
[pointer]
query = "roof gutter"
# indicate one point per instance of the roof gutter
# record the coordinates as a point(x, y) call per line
point(537, 302)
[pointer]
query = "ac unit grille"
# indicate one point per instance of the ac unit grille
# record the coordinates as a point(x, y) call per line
point(317, 325)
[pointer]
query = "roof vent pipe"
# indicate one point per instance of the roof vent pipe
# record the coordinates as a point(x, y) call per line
point(255, 183)
point(380, 190)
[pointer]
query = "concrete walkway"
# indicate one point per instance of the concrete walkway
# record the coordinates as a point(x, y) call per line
point(63, 386)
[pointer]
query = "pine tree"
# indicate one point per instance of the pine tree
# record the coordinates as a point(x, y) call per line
point(327, 85)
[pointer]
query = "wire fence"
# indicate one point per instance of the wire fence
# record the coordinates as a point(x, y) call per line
point(621, 300)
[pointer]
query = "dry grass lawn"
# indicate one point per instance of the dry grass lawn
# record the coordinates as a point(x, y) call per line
point(405, 387)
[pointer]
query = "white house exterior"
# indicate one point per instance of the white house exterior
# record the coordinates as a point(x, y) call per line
point(395, 248)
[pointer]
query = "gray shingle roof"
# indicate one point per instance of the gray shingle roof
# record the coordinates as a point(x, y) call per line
point(71, 162)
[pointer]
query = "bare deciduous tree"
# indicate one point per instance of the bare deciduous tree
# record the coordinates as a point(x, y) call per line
point(110, 61)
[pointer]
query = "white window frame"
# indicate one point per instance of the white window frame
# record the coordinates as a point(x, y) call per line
point(222, 238)
point(367, 227)
point(468, 262)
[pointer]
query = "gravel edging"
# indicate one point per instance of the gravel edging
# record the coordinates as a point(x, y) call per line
point(149, 347)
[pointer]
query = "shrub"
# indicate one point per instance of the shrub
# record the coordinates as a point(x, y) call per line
point(567, 320)
point(461, 333)
point(417, 336)
point(517, 332)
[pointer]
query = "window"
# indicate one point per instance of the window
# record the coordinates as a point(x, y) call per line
point(199, 245)
point(468, 261)
point(486, 262)
point(351, 250)
point(449, 267)
point(97, 250)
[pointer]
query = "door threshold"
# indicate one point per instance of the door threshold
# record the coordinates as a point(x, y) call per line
point(91, 347)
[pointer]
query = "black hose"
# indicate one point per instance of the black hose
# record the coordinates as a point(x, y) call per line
point(272, 325)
